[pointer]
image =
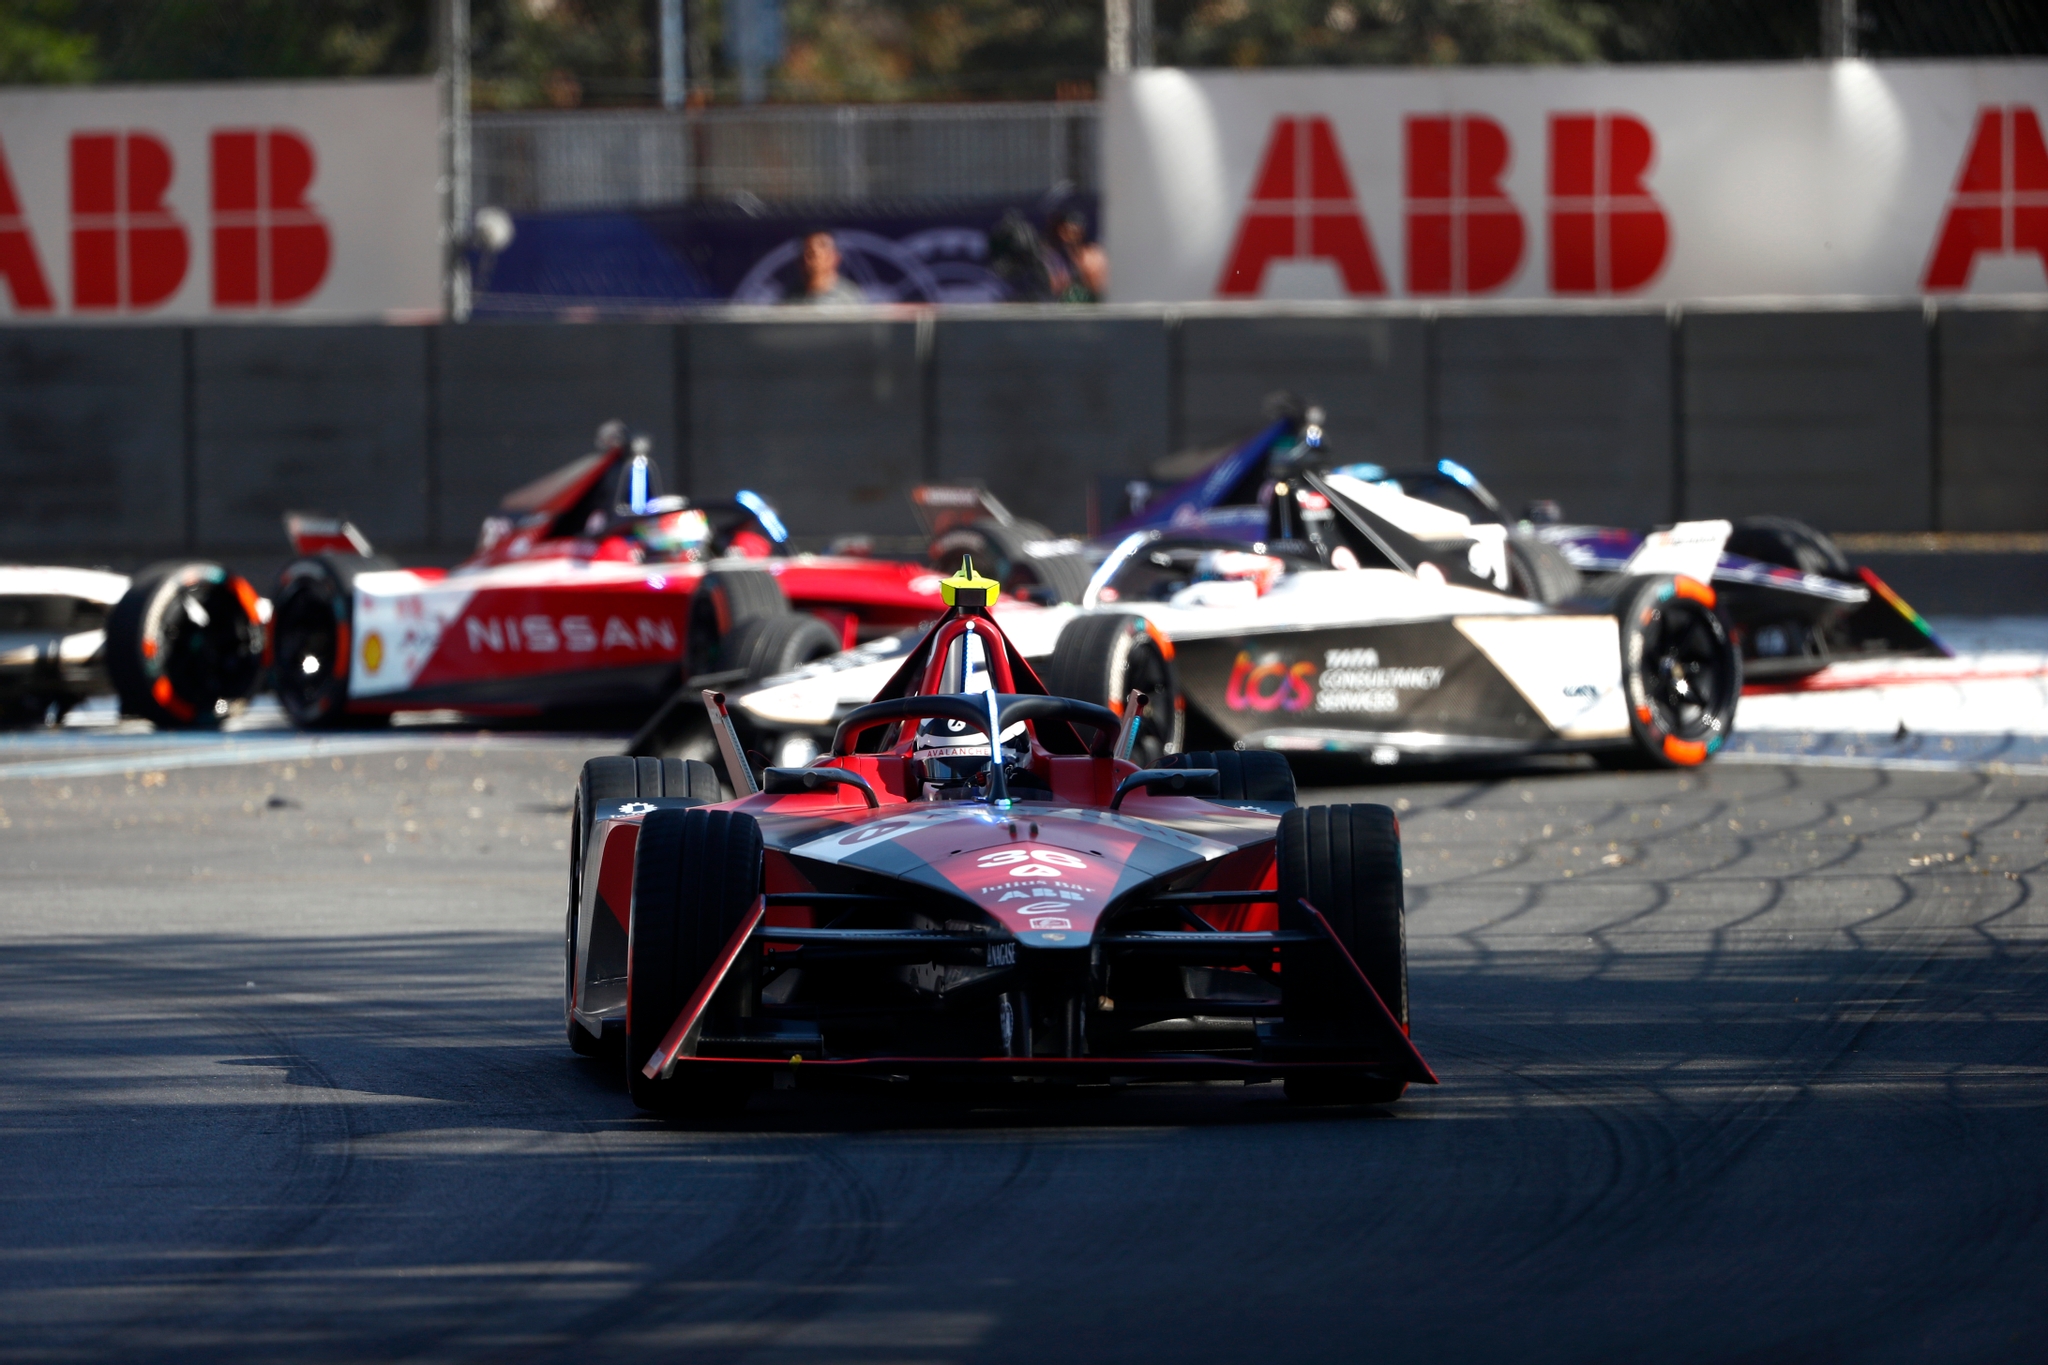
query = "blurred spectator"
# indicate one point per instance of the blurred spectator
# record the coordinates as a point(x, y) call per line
point(1079, 267)
point(1063, 267)
point(1019, 259)
point(823, 284)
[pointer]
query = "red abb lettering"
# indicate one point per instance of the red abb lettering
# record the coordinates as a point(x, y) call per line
point(1302, 208)
point(127, 249)
point(2001, 198)
point(18, 263)
point(1608, 235)
point(1464, 233)
point(269, 246)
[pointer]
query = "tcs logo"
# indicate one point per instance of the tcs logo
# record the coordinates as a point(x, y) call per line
point(269, 247)
point(1270, 684)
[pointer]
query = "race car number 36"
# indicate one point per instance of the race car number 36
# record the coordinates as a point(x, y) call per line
point(1037, 862)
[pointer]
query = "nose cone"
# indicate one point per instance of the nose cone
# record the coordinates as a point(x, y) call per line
point(1045, 875)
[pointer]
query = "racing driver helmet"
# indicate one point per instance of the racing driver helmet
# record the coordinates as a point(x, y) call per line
point(951, 755)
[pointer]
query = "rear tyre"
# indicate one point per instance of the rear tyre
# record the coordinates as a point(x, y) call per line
point(695, 875)
point(1681, 672)
point(185, 645)
point(1539, 572)
point(1019, 556)
point(1248, 774)
point(1346, 862)
point(768, 645)
point(617, 778)
point(726, 599)
point(313, 634)
point(1100, 659)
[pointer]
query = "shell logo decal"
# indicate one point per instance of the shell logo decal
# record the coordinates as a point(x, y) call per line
point(373, 651)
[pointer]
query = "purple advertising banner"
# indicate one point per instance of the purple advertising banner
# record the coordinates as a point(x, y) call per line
point(638, 260)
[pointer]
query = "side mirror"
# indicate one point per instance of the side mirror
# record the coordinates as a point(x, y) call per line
point(1170, 782)
point(792, 781)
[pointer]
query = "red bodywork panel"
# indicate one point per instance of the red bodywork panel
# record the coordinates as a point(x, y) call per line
point(544, 615)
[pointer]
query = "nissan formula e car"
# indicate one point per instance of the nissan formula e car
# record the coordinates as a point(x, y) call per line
point(1790, 599)
point(588, 588)
point(1343, 631)
point(975, 882)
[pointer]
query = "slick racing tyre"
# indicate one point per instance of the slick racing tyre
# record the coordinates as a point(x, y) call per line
point(313, 639)
point(1100, 659)
point(1681, 675)
point(1020, 556)
point(618, 778)
point(695, 875)
point(1249, 775)
point(1346, 862)
point(1539, 572)
point(185, 644)
point(725, 600)
point(1794, 544)
point(768, 645)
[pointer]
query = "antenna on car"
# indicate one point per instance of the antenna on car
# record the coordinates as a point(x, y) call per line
point(967, 589)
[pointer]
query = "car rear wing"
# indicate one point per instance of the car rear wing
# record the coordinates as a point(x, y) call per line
point(943, 507)
point(313, 533)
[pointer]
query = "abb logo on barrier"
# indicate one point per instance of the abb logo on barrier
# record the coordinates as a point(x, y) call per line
point(1607, 232)
point(2001, 199)
point(129, 250)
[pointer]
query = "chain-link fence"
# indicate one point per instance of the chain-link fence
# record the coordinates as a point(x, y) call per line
point(782, 155)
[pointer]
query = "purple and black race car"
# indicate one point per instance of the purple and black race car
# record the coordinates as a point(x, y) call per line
point(1791, 601)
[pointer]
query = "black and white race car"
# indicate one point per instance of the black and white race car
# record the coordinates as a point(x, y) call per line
point(1347, 630)
point(1789, 597)
point(53, 639)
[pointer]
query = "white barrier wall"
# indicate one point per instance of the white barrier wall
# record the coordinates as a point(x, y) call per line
point(1843, 178)
point(303, 199)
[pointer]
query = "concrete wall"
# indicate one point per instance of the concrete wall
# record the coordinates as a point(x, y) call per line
point(308, 418)
point(1369, 374)
point(1821, 416)
point(823, 416)
point(1575, 409)
point(1992, 459)
point(1037, 408)
point(124, 444)
point(92, 440)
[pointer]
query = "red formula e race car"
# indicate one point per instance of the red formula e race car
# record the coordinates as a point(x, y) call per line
point(588, 588)
point(975, 883)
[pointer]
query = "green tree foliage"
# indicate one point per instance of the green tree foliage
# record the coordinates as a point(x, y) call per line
point(180, 40)
point(564, 53)
point(40, 44)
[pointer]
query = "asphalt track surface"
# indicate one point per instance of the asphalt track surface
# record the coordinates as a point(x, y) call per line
point(1748, 1064)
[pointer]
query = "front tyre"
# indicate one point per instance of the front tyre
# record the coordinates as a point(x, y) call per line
point(1681, 673)
point(185, 645)
point(1346, 862)
point(695, 875)
point(617, 777)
